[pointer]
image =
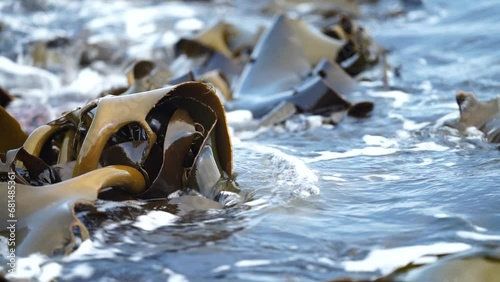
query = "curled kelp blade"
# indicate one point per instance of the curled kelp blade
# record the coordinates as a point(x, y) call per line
point(206, 95)
point(45, 216)
point(192, 126)
point(206, 173)
point(178, 139)
point(468, 267)
point(38, 172)
point(111, 114)
point(12, 134)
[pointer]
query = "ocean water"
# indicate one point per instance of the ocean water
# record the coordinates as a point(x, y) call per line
point(357, 201)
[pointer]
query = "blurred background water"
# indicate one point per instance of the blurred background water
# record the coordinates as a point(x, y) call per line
point(325, 200)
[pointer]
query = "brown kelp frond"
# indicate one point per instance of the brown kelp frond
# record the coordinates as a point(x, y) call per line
point(225, 38)
point(151, 144)
point(13, 135)
point(472, 265)
point(360, 52)
point(5, 98)
point(485, 116)
point(38, 173)
point(45, 214)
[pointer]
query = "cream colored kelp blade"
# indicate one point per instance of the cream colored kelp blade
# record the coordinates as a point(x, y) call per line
point(472, 266)
point(222, 37)
point(485, 116)
point(45, 216)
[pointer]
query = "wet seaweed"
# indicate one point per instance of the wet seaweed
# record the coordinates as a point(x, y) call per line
point(114, 142)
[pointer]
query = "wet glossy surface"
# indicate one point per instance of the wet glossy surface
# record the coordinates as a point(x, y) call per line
point(326, 201)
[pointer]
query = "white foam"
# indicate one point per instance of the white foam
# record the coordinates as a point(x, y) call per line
point(50, 271)
point(154, 220)
point(239, 117)
point(102, 206)
point(89, 249)
point(314, 121)
point(189, 24)
point(388, 260)
point(367, 151)
point(374, 140)
point(409, 124)
point(384, 177)
point(442, 120)
point(478, 236)
point(258, 204)
point(24, 77)
point(251, 263)
point(174, 276)
point(221, 268)
point(80, 271)
point(333, 178)
point(400, 97)
point(290, 171)
point(473, 133)
point(426, 162)
point(429, 146)
point(28, 267)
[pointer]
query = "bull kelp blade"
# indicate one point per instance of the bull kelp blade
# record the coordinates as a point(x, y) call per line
point(205, 94)
point(12, 134)
point(205, 172)
point(36, 140)
point(277, 63)
point(474, 112)
point(45, 214)
point(324, 89)
point(144, 75)
point(112, 113)
point(469, 267)
point(178, 139)
point(213, 38)
point(315, 45)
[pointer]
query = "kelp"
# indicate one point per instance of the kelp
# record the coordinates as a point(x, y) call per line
point(5, 98)
point(360, 52)
point(485, 116)
point(283, 65)
point(469, 266)
point(13, 135)
point(222, 37)
point(45, 215)
point(280, 69)
point(142, 75)
point(146, 145)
